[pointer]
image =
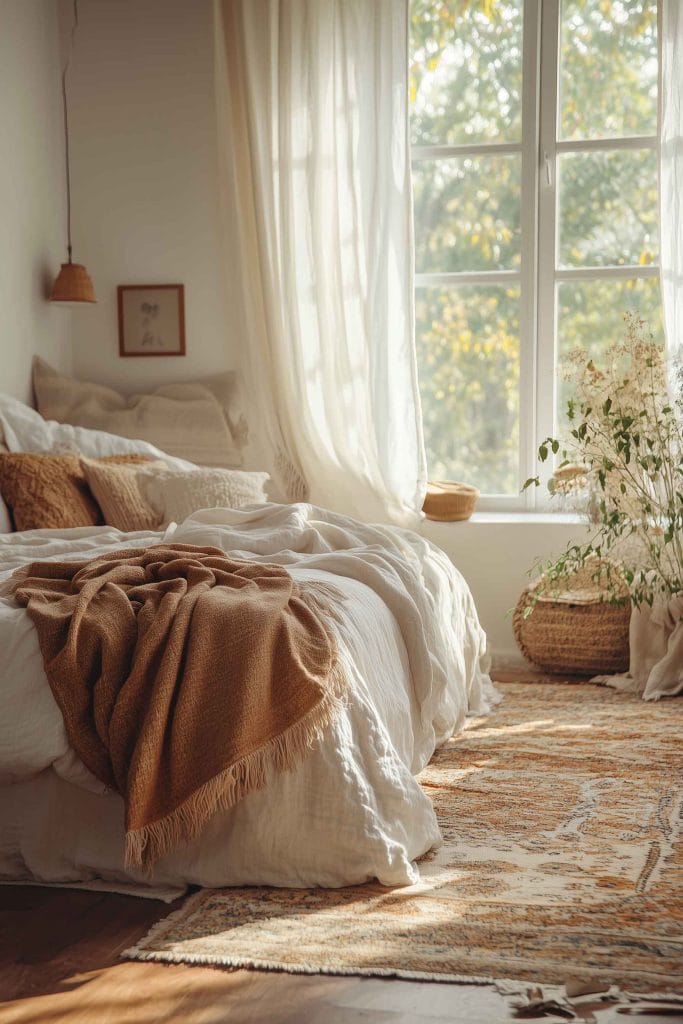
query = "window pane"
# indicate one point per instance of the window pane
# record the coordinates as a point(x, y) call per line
point(467, 213)
point(608, 208)
point(608, 76)
point(466, 71)
point(591, 316)
point(468, 361)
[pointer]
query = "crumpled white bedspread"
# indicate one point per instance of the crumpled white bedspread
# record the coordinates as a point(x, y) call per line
point(413, 649)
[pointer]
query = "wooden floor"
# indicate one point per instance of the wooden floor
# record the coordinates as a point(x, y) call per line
point(59, 964)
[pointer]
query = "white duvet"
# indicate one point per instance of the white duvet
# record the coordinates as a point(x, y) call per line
point(414, 654)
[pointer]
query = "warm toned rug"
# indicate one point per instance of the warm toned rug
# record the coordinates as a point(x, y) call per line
point(563, 857)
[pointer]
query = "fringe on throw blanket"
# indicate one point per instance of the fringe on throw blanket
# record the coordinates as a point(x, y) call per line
point(241, 664)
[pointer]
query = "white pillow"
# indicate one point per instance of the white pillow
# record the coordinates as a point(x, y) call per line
point(185, 420)
point(5, 521)
point(25, 430)
point(176, 495)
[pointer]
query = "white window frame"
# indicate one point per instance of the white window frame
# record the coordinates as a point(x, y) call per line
point(538, 275)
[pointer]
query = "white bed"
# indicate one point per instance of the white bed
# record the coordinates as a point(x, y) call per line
point(414, 655)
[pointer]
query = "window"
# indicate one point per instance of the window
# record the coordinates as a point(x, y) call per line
point(534, 130)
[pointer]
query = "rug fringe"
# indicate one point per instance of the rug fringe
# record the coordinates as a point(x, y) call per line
point(505, 986)
point(137, 953)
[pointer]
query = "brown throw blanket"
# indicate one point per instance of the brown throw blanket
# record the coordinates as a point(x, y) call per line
point(183, 676)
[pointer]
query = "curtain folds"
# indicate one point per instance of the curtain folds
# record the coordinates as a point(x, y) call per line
point(312, 107)
point(671, 174)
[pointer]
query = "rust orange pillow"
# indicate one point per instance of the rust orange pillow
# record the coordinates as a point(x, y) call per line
point(50, 492)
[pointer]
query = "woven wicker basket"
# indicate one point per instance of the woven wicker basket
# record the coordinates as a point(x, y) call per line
point(574, 629)
point(449, 502)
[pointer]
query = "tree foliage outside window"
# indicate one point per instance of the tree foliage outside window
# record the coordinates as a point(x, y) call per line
point(466, 88)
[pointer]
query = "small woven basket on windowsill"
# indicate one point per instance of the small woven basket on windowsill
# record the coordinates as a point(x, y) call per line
point(449, 502)
point(574, 628)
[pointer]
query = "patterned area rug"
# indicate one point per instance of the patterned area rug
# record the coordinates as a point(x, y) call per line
point(563, 857)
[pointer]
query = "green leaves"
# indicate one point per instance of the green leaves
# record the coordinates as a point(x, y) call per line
point(629, 436)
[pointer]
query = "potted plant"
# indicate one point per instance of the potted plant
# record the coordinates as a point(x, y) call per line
point(625, 432)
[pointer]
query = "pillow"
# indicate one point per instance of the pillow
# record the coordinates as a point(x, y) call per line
point(185, 420)
point(5, 519)
point(25, 430)
point(49, 492)
point(117, 491)
point(174, 496)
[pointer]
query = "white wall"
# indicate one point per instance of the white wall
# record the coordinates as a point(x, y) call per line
point(495, 553)
point(144, 172)
point(32, 219)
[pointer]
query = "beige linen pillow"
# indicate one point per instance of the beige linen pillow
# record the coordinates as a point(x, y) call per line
point(185, 420)
point(5, 520)
point(50, 492)
point(174, 495)
point(117, 491)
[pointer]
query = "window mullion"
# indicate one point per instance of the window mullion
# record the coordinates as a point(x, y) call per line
point(607, 145)
point(460, 277)
point(546, 384)
point(443, 151)
point(529, 255)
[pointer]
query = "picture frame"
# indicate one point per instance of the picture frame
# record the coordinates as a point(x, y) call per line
point(151, 320)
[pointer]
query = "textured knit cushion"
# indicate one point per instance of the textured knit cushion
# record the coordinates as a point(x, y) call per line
point(185, 420)
point(175, 495)
point(50, 492)
point(117, 491)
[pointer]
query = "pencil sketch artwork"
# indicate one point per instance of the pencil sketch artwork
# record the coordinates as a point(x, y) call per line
point(149, 312)
point(151, 320)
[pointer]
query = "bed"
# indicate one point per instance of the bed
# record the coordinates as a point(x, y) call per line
point(410, 646)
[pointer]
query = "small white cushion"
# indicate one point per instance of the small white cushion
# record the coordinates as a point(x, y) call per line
point(184, 420)
point(176, 495)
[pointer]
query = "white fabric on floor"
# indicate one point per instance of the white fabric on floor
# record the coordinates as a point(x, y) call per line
point(656, 644)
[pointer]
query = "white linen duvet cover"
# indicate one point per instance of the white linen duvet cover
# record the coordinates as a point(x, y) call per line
point(414, 654)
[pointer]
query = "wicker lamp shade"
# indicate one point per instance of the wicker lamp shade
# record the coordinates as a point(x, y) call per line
point(73, 285)
point(574, 629)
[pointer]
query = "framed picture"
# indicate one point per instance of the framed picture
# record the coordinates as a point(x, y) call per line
point(151, 319)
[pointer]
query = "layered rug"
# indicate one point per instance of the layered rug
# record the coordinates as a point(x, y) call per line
point(562, 857)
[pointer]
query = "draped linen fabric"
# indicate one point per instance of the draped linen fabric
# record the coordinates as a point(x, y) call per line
point(314, 156)
point(671, 175)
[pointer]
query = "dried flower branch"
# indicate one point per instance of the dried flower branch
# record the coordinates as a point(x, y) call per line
point(626, 429)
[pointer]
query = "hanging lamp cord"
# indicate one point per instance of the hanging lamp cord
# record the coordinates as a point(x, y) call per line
point(66, 129)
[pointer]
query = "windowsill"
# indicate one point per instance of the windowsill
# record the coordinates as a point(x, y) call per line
point(511, 518)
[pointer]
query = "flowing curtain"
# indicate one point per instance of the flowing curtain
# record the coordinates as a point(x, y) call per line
point(671, 174)
point(315, 176)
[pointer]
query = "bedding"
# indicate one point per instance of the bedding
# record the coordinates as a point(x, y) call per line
point(175, 495)
point(185, 420)
point(413, 653)
point(116, 489)
point(183, 677)
point(25, 430)
point(44, 491)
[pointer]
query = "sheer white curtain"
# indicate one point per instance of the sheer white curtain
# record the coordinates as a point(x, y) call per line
point(671, 174)
point(315, 170)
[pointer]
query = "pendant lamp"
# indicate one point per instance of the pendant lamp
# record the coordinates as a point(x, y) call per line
point(73, 286)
